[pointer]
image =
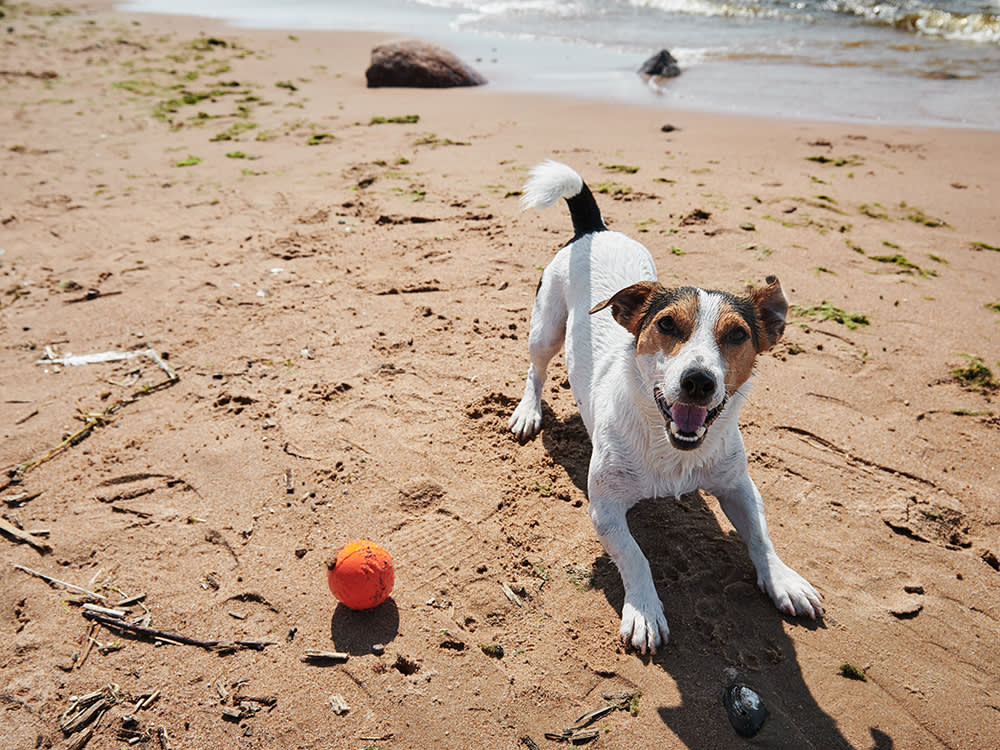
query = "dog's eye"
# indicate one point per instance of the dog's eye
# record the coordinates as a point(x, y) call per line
point(737, 336)
point(667, 326)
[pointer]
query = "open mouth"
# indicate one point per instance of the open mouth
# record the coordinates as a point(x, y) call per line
point(687, 424)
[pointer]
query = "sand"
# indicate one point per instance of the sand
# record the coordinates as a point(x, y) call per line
point(345, 307)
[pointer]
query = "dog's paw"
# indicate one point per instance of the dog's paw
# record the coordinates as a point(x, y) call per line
point(644, 628)
point(791, 593)
point(526, 420)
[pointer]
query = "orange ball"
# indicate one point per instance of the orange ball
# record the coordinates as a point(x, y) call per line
point(361, 575)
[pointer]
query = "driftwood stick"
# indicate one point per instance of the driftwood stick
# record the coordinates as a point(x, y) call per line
point(113, 622)
point(315, 656)
point(23, 536)
point(118, 613)
point(50, 579)
point(20, 499)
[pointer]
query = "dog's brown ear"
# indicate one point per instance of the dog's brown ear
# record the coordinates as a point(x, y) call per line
point(628, 305)
point(771, 306)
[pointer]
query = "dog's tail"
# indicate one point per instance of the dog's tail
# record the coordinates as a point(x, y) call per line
point(551, 181)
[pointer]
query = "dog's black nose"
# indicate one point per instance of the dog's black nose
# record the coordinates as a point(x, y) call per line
point(698, 385)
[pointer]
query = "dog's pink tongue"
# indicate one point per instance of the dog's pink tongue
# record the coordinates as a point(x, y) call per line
point(688, 417)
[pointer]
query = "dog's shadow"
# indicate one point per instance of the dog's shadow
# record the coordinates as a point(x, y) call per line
point(567, 443)
point(722, 627)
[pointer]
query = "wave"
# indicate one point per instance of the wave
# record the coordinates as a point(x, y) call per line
point(973, 27)
point(969, 27)
point(595, 9)
point(910, 16)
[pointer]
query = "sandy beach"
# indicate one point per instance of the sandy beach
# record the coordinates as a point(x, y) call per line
point(336, 285)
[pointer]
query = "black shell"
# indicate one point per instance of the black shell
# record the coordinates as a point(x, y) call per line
point(745, 709)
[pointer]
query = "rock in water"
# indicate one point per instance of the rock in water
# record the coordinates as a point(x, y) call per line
point(662, 64)
point(745, 709)
point(415, 64)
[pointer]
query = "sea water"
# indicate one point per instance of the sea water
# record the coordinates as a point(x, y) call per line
point(920, 62)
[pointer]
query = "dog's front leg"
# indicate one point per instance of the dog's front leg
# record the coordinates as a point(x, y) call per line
point(644, 625)
point(790, 592)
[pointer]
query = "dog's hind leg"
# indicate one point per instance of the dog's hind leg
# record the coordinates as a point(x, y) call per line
point(548, 331)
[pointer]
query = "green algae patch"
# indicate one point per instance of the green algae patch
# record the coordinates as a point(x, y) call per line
point(874, 210)
point(852, 672)
point(827, 311)
point(234, 130)
point(904, 264)
point(396, 120)
point(831, 161)
point(623, 168)
point(612, 188)
point(975, 375)
point(919, 217)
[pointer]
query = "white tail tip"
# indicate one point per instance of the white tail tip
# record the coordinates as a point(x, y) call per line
point(550, 181)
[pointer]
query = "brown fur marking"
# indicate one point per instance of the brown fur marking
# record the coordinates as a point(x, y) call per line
point(684, 312)
point(739, 357)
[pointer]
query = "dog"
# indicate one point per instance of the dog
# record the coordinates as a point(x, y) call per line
point(659, 383)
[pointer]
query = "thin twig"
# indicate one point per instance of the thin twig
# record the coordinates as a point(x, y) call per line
point(50, 579)
point(90, 644)
point(353, 444)
point(90, 295)
point(291, 450)
point(112, 622)
point(93, 421)
point(22, 420)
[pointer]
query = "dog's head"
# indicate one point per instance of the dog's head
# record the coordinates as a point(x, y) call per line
point(695, 348)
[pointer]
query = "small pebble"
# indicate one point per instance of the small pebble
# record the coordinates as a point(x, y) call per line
point(378, 649)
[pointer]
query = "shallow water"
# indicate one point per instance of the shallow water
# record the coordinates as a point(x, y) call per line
point(923, 62)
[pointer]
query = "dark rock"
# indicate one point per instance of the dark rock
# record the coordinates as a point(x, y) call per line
point(493, 650)
point(415, 64)
point(668, 128)
point(662, 64)
point(745, 709)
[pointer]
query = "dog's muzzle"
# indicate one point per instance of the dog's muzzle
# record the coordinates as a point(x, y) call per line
point(686, 424)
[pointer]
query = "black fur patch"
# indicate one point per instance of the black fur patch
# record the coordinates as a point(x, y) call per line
point(586, 215)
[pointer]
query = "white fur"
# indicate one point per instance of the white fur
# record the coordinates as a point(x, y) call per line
point(632, 456)
point(549, 182)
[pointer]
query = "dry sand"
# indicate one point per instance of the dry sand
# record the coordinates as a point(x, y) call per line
point(348, 321)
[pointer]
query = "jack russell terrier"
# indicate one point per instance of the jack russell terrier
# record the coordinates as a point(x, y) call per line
point(659, 383)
